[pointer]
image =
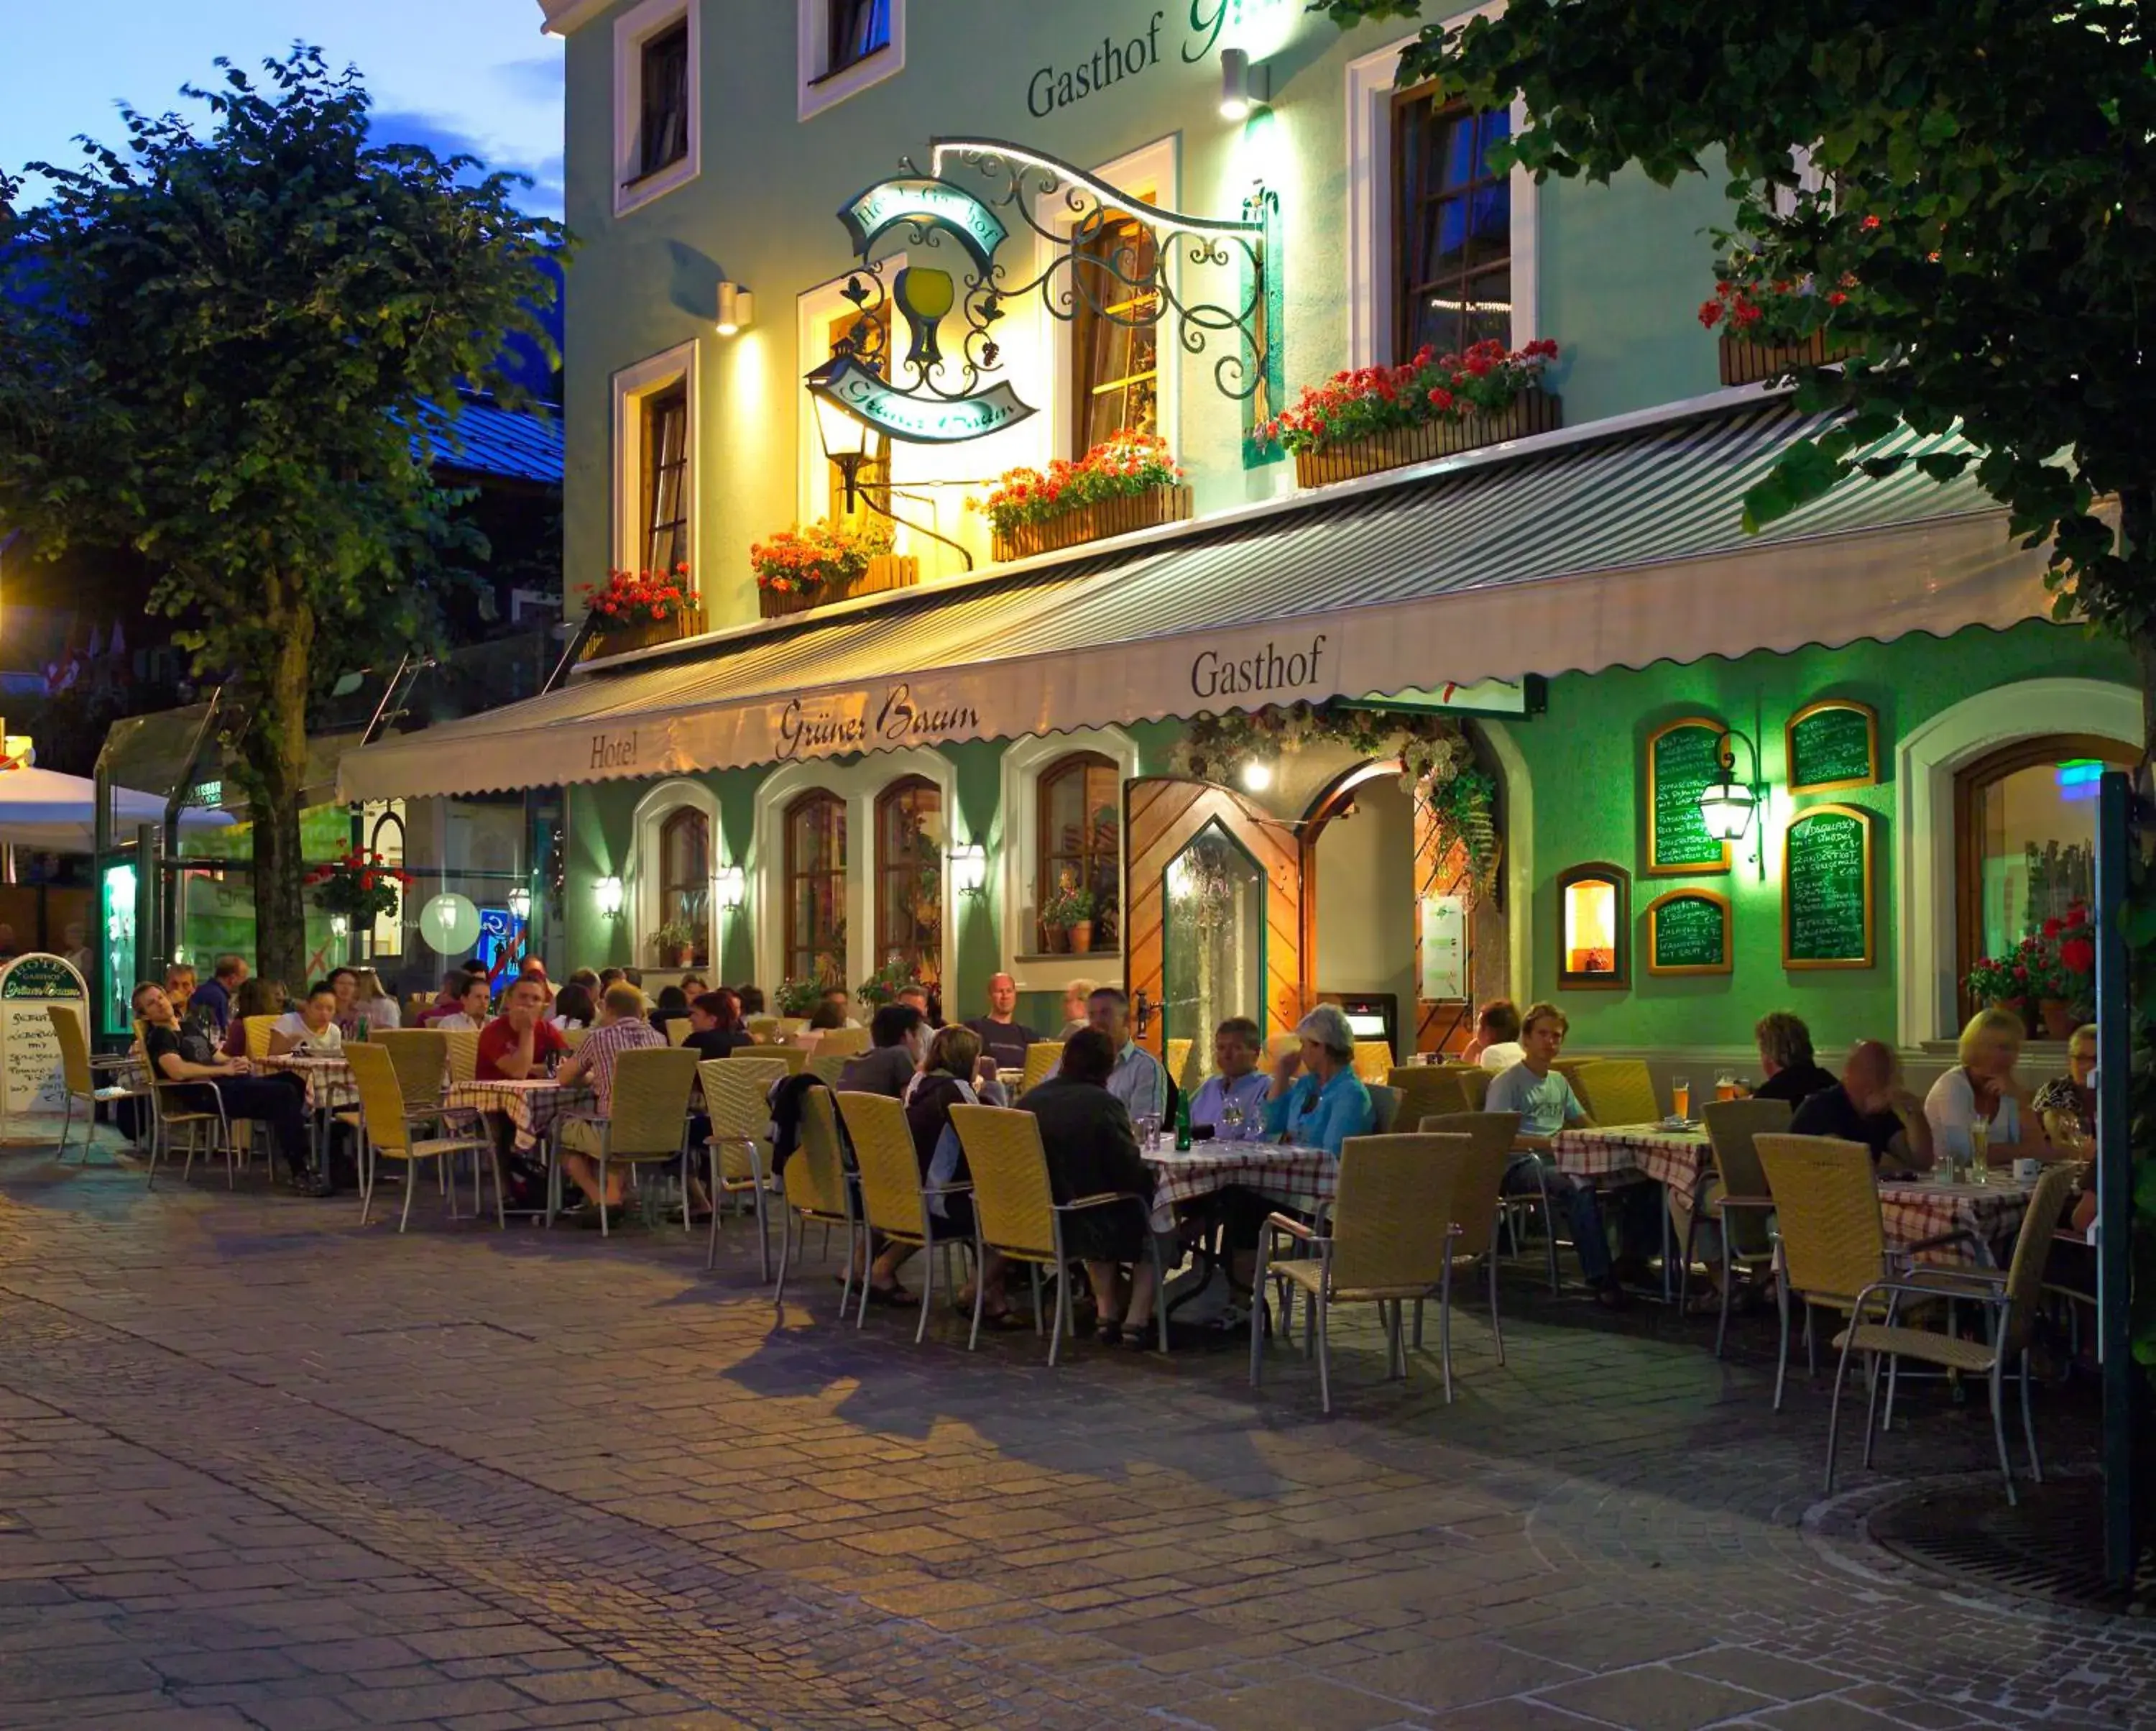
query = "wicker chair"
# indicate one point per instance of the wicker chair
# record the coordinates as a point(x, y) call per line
point(1617, 1091)
point(764, 1030)
point(421, 1057)
point(1015, 1211)
point(1385, 1108)
point(1391, 1241)
point(678, 1029)
point(573, 1037)
point(1490, 1134)
point(1373, 1059)
point(2011, 1296)
point(737, 1099)
point(464, 1053)
point(1742, 1204)
point(842, 1042)
point(820, 1189)
point(788, 1026)
point(255, 1030)
point(1041, 1058)
point(387, 1126)
point(827, 1067)
point(78, 1071)
point(894, 1198)
point(795, 1058)
point(1425, 1090)
point(649, 1121)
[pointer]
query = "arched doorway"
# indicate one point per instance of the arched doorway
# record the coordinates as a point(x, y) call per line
point(1360, 898)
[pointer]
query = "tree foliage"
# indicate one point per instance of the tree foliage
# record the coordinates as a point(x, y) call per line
point(217, 346)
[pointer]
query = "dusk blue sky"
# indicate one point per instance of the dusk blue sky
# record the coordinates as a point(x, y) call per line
point(473, 75)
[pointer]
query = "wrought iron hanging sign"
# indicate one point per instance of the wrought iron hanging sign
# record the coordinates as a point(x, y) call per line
point(926, 386)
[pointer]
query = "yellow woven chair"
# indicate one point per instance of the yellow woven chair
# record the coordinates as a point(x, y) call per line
point(421, 1057)
point(737, 1100)
point(573, 1037)
point(2011, 1297)
point(1425, 1090)
point(387, 1132)
point(894, 1199)
point(819, 1189)
point(464, 1053)
point(79, 1073)
point(1278, 1045)
point(1373, 1059)
point(1617, 1091)
point(1015, 1211)
point(1474, 1080)
point(1742, 1204)
point(793, 1057)
point(788, 1026)
point(1041, 1058)
point(1391, 1241)
point(1385, 1108)
point(678, 1028)
point(764, 1030)
point(827, 1067)
point(648, 1122)
point(1490, 1136)
point(842, 1042)
point(256, 1031)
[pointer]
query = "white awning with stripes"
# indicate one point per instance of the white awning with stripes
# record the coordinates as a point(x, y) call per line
point(1575, 551)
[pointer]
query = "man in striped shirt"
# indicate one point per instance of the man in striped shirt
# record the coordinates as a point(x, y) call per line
point(622, 1026)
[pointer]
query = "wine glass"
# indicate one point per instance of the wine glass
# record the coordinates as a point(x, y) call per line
point(1231, 1118)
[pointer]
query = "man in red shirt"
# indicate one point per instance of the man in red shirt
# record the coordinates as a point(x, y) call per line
point(517, 1043)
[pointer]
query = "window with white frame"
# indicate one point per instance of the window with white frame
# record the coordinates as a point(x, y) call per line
point(845, 46)
point(1105, 360)
point(655, 101)
point(1061, 827)
point(655, 464)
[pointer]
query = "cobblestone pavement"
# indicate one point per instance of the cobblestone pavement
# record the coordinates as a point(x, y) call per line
point(261, 1467)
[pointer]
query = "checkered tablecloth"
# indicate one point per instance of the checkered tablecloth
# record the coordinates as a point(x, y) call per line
point(1674, 1158)
point(328, 1080)
point(530, 1105)
point(1915, 1211)
point(1304, 1178)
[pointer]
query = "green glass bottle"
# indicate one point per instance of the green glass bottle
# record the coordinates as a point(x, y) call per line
point(1181, 1121)
point(361, 1035)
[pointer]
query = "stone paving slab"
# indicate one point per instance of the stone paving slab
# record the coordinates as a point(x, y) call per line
point(262, 1467)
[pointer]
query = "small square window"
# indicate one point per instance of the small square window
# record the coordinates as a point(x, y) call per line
point(663, 128)
point(844, 46)
point(857, 29)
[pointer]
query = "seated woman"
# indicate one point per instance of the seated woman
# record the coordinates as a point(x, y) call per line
point(312, 1028)
point(255, 998)
point(2067, 1103)
point(1984, 1089)
point(373, 1005)
point(1327, 1103)
point(575, 1009)
point(672, 1007)
point(951, 1076)
point(714, 1024)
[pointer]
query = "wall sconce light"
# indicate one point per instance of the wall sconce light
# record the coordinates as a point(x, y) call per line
point(1727, 807)
point(736, 308)
point(520, 903)
point(1243, 86)
point(339, 927)
point(608, 893)
point(1257, 774)
point(728, 886)
point(969, 869)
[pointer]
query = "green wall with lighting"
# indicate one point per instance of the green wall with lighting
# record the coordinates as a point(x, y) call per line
point(1585, 760)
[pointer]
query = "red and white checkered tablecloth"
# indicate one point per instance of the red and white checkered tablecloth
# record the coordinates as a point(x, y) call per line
point(532, 1105)
point(1914, 1211)
point(1674, 1158)
point(328, 1080)
point(1305, 1178)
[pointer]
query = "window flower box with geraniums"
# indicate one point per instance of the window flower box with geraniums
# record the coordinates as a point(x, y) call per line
point(1377, 418)
point(357, 888)
point(638, 609)
point(797, 569)
point(1123, 484)
point(1770, 328)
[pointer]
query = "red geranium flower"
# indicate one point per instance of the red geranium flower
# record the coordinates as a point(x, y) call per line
point(2078, 955)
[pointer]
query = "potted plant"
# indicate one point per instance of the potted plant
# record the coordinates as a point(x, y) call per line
point(1377, 418)
point(677, 943)
point(358, 887)
point(1070, 911)
point(797, 569)
point(638, 609)
point(1128, 482)
point(1770, 328)
point(2063, 970)
point(1991, 983)
point(885, 984)
point(797, 997)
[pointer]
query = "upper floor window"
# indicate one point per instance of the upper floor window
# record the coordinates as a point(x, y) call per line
point(845, 46)
point(685, 877)
point(908, 895)
point(1452, 227)
point(816, 888)
point(664, 513)
point(654, 100)
point(858, 29)
point(1081, 839)
point(1115, 344)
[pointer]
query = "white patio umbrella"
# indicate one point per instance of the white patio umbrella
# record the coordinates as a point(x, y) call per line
point(43, 810)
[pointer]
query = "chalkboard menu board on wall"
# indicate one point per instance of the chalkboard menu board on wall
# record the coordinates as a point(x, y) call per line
point(1833, 743)
point(1826, 889)
point(1688, 933)
point(1683, 760)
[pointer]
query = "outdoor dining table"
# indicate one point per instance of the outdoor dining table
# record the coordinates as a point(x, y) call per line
point(1288, 1173)
point(329, 1085)
point(533, 1105)
point(1916, 1211)
point(1674, 1156)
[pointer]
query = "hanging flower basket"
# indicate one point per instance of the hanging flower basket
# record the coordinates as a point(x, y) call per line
point(797, 569)
point(1126, 483)
point(358, 887)
point(639, 609)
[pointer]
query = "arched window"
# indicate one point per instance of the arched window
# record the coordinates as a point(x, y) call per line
point(1082, 840)
point(685, 879)
point(2025, 829)
point(816, 888)
point(909, 880)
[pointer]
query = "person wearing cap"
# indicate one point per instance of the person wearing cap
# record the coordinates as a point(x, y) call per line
point(1326, 1103)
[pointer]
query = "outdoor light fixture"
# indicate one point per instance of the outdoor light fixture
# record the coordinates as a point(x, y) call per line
point(1242, 86)
point(339, 925)
point(845, 437)
point(969, 869)
point(606, 891)
point(520, 903)
point(1257, 773)
point(736, 308)
point(728, 886)
point(1726, 806)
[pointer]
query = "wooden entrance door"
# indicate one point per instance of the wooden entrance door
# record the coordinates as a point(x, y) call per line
point(1163, 815)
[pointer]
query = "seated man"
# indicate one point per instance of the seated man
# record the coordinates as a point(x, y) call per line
point(1137, 1079)
point(622, 1028)
point(1003, 1037)
point(469, 1014)
point(1545, 1103)
point(516, 1043)
point(898, 1036)
point(1231, 1102)
point(188, 1055)
point(311, 1028)
point(1092, 1150)
point(1869, 1105)
point(1786, 1063)
point(1496, 1045)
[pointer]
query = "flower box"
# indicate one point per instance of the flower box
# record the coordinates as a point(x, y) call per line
point(1096, 522)
point(1745, 362)
point(1534, 410)
point(649, 634)
point(886, 571)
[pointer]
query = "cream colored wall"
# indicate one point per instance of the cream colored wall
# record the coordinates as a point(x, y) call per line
point(1366, 899)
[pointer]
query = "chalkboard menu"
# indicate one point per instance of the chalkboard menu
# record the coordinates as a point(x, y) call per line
point(1826, 889)
point(1688, 933)
point(1833, 744)
point(1683, 760)
point(32, 1082)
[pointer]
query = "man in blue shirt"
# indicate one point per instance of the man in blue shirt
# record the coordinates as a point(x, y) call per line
point(1236, 1082)
point(1327, 1103)
point(1137, 1079)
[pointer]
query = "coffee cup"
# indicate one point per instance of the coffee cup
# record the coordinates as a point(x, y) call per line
point(2028, 1171)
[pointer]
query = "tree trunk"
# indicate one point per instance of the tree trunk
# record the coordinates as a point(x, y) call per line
point(276, 748)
